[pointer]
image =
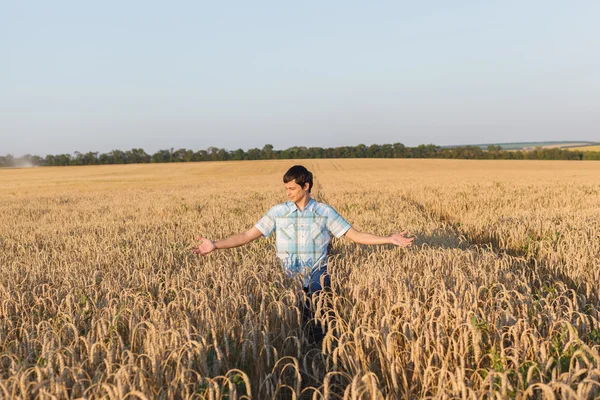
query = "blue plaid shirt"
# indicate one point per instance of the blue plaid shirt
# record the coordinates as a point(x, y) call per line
point(302, 236)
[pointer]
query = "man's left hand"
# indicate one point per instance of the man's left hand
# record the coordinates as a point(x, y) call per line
point(400, 240)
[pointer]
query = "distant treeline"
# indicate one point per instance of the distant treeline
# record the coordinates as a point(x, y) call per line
point(396, 150)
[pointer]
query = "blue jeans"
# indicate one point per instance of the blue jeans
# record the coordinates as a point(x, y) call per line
point(314, 285)
point(314, 329)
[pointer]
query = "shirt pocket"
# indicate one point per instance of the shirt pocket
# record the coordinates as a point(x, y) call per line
point(286, 227)
point(317, 229)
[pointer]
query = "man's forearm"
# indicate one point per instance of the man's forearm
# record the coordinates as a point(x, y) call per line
point(368, 238)
point(233, 241)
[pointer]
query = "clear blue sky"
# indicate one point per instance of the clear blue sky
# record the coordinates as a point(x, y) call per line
point(96, 76)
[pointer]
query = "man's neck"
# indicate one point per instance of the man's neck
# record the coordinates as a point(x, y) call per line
point(303, 203)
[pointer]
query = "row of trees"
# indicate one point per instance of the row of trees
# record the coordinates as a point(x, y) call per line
point(396, 150)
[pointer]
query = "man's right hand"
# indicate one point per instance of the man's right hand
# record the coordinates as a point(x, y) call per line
point(206, 246)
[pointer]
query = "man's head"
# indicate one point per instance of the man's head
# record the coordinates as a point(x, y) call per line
point(300, 175)
point(298, 181)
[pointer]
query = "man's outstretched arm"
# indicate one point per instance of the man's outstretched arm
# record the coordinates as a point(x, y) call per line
point(207, 246)
point(366, 238)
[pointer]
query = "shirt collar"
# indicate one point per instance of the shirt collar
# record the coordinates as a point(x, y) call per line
point(311, 203)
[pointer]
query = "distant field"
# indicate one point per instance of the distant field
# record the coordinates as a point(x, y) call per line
point(533, 145)
point(585, 148)
point(101, 296)
point(550, 145)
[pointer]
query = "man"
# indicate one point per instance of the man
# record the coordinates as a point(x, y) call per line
point(303, 229)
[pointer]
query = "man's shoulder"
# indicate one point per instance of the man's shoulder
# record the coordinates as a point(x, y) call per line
point(281, 208)
point(324, 209)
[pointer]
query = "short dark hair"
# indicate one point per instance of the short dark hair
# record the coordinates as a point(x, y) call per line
point(299, 174)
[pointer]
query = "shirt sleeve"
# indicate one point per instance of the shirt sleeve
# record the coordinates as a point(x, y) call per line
point(336, 224)
point(266, 225)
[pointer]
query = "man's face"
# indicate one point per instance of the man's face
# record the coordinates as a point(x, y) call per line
point(295, 192)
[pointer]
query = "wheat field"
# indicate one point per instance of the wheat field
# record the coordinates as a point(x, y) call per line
point(585, 148)
point(102, 297)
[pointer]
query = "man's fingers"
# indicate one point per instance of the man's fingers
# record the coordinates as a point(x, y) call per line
point(402, 241)
point(198, 250)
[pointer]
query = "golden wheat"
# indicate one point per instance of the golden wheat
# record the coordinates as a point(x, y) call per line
point(101, 297)
point(585, 148)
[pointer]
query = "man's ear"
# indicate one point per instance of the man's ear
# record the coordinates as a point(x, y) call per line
point(306, 186)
